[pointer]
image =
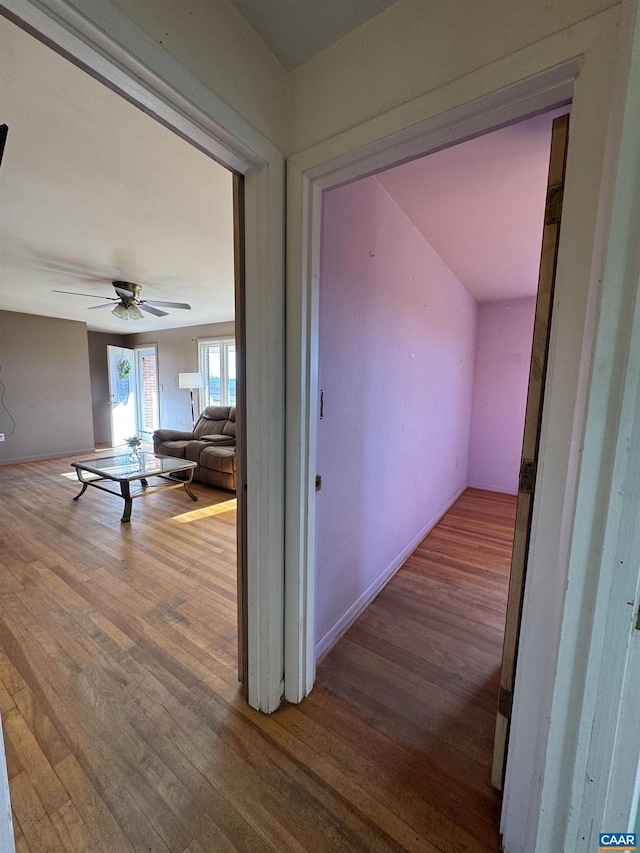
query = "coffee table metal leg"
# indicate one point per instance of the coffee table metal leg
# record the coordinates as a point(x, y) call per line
point(82, 491)
point(126, 494)
point(187, 483)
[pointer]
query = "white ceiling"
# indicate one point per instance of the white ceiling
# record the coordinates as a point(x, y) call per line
point(94, 190)
point(480, 205)
point(296, 30)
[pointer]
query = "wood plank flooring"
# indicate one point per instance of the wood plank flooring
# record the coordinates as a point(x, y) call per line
point(124, 726)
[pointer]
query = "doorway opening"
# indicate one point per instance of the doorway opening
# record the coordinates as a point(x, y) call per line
point(131, 201)
point(196, 591)
point(134, 399)
point(123, 393)
point(163, 89)
point(429, 275)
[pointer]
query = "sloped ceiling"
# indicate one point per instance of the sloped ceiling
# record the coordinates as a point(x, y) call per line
point(93, 190)
point(481, 204)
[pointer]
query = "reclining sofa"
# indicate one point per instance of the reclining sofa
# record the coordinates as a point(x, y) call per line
point(212, 444)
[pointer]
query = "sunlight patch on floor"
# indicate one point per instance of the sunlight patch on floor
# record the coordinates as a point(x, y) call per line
point(71, 475)
point(206, 512)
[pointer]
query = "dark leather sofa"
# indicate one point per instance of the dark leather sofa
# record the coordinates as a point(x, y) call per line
point(212, 444)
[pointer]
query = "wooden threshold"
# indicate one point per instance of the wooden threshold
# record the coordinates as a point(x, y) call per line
point(125, 728)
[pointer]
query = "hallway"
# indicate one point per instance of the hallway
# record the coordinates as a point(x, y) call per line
point(419, 674)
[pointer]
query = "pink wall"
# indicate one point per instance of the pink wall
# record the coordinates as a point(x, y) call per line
point(503, 353)
point(397, 346)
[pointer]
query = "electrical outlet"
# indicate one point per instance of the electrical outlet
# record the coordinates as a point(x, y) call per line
point(1, 436)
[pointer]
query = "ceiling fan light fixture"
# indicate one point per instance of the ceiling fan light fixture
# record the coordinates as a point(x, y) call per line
point(134, 313)
point(120, 312)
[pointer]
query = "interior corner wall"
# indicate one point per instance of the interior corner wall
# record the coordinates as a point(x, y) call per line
point(178, 353)
point(396, 354)
point(44, 367)
point(503, 356)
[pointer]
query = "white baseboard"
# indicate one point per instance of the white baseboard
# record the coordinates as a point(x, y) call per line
point(6, 825)
point(362, 602)
point(88, 451)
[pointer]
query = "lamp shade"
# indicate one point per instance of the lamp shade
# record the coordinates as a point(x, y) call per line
point(134, 313)
point(127, 312)
point(120, 312)
point(189, 380)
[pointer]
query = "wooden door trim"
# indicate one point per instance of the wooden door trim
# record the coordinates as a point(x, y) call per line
point(241, 422)
point(531, 440)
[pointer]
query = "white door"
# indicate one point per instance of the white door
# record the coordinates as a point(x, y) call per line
point(122, 393)
point(148, 409)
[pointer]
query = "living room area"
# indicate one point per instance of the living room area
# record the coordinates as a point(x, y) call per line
point(120, 215)
point(118, 289)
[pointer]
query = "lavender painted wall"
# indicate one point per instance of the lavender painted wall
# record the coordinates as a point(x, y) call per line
point(397, 345)
point(503, 354)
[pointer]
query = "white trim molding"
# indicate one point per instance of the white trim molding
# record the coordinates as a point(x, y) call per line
point(596, 712)
point(118, 53)
point(7, 844)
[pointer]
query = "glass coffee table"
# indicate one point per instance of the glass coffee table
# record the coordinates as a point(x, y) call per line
point(124, 470)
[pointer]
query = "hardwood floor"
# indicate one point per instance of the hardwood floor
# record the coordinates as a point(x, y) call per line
point(123, 723)
point(415, 680)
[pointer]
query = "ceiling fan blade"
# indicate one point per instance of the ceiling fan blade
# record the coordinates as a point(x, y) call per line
point(151, 310)
point(90, 295)
point(167, 304)
point(104, 305)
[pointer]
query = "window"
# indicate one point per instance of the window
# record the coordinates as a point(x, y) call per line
point(147, 401)
point(218, 368)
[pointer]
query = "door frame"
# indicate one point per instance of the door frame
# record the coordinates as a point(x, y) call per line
point(113, 403)
point(143, 73)
point(568, 496)
point(307, 178)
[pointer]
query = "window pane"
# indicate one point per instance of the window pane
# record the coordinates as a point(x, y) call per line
point(213, 373)
point(231, 374)
point(148, 379)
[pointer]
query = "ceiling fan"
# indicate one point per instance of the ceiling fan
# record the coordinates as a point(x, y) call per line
point(129, 306)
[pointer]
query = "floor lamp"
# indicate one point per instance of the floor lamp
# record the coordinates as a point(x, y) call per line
point(190, 381)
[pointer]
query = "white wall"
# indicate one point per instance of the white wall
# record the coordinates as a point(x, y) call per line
point(413, 48)
point(216, 44)
point(397, 345)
